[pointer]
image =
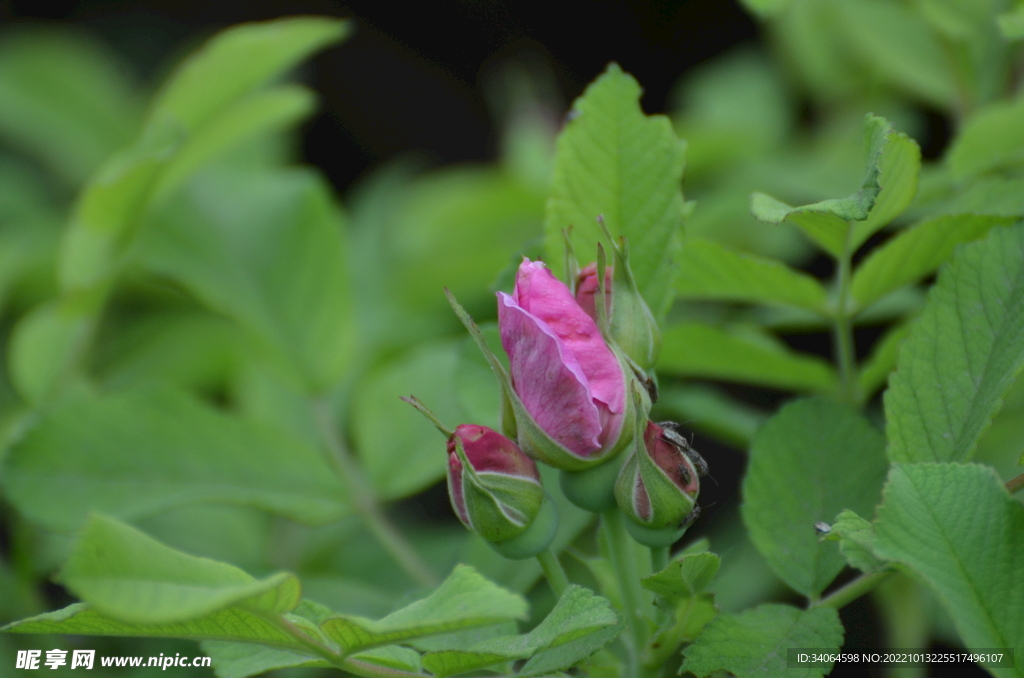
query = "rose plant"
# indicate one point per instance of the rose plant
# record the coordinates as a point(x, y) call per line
point(204, 354)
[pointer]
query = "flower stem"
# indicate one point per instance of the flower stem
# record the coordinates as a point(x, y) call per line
point(620, 547)
point(1014, 484)
point(853, 590)
point(365, 502)
point(553, 571)
point(842, 330)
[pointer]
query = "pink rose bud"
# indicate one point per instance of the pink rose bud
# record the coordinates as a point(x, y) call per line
point(494, 487)
point(569, 381)
point(658, 486)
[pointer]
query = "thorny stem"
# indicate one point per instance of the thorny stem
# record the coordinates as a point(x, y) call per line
point(553, 571)
point(365, 502)
point(853, 590)
point(842, 330)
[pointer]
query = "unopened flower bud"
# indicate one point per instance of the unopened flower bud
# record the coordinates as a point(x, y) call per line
point(494, 487)
point(631, 323)
point(658, 486)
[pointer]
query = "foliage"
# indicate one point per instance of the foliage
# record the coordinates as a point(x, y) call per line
point(204, 352)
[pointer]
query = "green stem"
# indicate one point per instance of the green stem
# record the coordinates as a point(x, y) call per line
point(852, 591)
point(365, 502)
point(553, 571)
point(1014, 484)
point(620, 548)
point(659, 558)
point(842, 330)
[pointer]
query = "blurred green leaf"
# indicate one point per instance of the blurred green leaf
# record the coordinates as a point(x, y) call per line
point(694, 349)
point(754, 643)
point(241, 660)
point(712, 411)
point(64, 99)
point(991, 139)
point(856, 538)
point(464, 600)
point(121, 572)
point(237, 61)
point(257, 114)
point(962, 354)
point(808, 462)
point(266, 249)
point(1011, 23)
point(992, 195)
point(874, 372)
point(929, 521)
point(707, 270)
point(402, 452)
point(898, 46)
point(915, 253)
point(140, 452)
point(46, 344)
point(612, 160)
point(580, 624)
point(766, 8)
point(232, 64)
point(190, 349)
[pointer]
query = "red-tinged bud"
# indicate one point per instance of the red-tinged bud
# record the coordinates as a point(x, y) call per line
point(494, 487)
point(658, 486)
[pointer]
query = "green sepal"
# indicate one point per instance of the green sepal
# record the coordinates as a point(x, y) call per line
point(633, 327)
point(500, 507)
point(654, 537)
point(669, 504)
point(536, 538)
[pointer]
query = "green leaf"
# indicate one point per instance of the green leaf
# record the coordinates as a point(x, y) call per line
point(991, 139)
point(713, 411)
point(45, 345)
point(258, 114)
point(899, 165)
point(915, 253)
point(755, 642)
point(811, 460)
point(230, 65)
point(697, 350)
point(994, 195)
point(962, 354)
point(402, 452)
point(684, 577)
point(233, 623)
point(140, 452)
point(856, 539)
point(237, 61)
point(266, 249)
point(899, 47)
point(612, 160)
point(123, 573)
point(464, 600)
point(824, 222)
point(241, 660)
point(958, 530)
point(64, 99)
point(579, 625)
point(707, 270)
point(888, 186)
point(1011, 23)
point(875, 371)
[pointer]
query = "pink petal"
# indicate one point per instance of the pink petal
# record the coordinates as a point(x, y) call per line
point(490, 452)
point(548, 379)
point(544, 296)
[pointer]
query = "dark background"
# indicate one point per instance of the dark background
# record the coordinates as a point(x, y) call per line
point(414, 76)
